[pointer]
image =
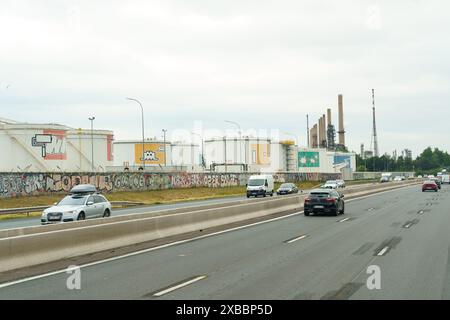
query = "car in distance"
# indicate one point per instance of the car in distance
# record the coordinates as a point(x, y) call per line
point(445, 178)
point(430, 185)
point(340, 183)
point(260, 185)
point(384, 179)
point(287, 188)
point(398, 178)
point(330, 184)
point(438, 182)
point(83, 202)
point(324, 201)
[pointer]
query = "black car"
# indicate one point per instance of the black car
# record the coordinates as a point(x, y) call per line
point(438, 182)
point(324, 201)
point(287, 188)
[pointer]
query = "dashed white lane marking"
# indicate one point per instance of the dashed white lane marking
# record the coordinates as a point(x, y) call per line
point(297, 239)
point(343, 220)
point(179, 286)
point(382, 252)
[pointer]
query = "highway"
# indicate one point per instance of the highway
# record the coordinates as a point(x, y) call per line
point(35, 221)
point(28, 222)
point(404, 232)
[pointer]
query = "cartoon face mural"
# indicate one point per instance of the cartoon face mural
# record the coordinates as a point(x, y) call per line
point(153, 153)
point(307, 159)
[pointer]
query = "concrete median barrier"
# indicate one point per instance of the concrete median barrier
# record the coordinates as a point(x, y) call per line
point(36, 248)
point(36, 245)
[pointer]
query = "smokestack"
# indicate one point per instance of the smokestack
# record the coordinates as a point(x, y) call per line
point(323, 132)
point(329, 116)
point(320, 131)
point(313, 137)
point(341, 121)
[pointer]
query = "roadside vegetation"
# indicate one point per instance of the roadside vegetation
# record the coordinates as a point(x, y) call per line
point(430, 161)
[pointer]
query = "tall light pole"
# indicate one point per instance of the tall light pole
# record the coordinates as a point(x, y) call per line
point(165, 149)
point(143, 134)
point(92, 142)
point(203, 149)
point(240, 138)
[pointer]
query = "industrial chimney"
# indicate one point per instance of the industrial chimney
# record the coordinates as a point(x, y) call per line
point(314, 137)
point(331, 133)
point(341, 131)
point(320, 131)
point(323, 142)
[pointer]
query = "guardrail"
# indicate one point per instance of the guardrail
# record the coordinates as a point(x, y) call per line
point(28, 210)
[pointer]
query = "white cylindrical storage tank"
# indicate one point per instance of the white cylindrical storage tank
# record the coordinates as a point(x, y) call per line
point(253, 152)
point(52, 148)
point(128, 153)
point(186, 154)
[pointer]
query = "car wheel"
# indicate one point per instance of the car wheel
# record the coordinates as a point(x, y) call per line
point(336, 213)
point(81, 216)
point(107, 213)
point(306, 214)
point(271, 194)
point(248, 196)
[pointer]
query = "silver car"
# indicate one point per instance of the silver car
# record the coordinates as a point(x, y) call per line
point(77, 206)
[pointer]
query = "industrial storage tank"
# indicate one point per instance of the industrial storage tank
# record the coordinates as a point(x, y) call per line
point(29, 147)
point(234, 153)
point(129, 155)
point(186, 155)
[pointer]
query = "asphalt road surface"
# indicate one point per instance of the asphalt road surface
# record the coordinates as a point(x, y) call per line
point(404, 232)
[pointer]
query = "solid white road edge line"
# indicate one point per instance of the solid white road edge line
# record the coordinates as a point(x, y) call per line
point(12, 283)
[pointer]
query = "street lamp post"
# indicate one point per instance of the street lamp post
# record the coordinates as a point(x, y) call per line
point(165, 149)
point(240, 138)
point(203, 148)
point(92, 142)
point(143, 132)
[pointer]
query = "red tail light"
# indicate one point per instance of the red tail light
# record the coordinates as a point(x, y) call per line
point(331, 200)
point(307, 199)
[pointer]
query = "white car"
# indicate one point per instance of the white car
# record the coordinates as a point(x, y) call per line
point(82, 203)
point(398, 178)
point(340, 183)
point(330, 185)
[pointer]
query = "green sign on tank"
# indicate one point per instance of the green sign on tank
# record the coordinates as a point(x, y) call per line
point(308, 159)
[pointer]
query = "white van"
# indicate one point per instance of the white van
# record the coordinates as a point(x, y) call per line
point(260, 185)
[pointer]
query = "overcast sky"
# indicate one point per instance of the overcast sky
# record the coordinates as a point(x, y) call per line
point(264, 64)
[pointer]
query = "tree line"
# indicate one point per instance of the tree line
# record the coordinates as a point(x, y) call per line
point(430, 161)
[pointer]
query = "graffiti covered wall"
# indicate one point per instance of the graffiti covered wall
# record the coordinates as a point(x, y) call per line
point(27, 184)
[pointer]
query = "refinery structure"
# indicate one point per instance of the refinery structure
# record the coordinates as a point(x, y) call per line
point(58, 148)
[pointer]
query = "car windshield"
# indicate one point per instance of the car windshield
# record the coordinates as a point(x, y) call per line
point(286, 185)
point(256, 182)
point(72, 201)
